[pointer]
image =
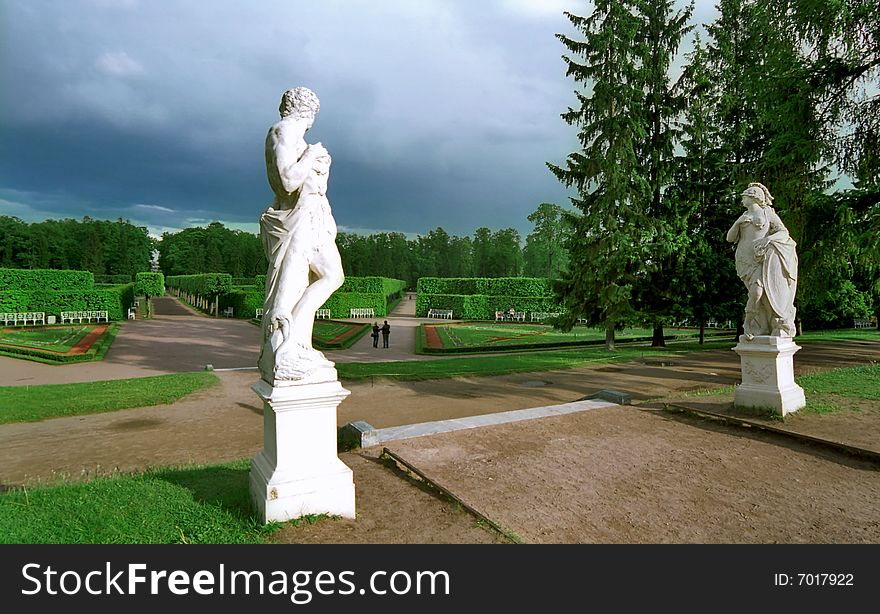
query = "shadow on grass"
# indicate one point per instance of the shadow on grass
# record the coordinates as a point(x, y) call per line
point(223, 486)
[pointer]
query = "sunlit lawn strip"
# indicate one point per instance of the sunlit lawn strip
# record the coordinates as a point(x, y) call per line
point(856, 382)
point(499, 364)
point(34, 403)
point(203, 504)
point(853, 334)
point(474, 337)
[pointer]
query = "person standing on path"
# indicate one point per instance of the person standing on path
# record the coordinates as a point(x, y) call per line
point(386, 331)
point(375, 334)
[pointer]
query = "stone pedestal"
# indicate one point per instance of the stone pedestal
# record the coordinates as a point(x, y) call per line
point(298, 472)
point(768, 374)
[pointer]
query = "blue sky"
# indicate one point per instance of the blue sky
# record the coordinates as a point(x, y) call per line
point(436, 112)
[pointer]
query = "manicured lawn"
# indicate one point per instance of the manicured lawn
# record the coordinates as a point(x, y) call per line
point(502, 364)
point(333, 335)
point(193, 505)
point(53, 338)
point(54, 345)
point(34, 403)
point(844, 334)
point(505, 336)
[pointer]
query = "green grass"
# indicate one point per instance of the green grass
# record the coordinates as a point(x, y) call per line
point(333, 335)
point(204, 504)
point(480, 337)
point(827, 391)
point(50, 354)
point(853, 334)
point(494, 365)
point(854, 382)
point(55, 338)
point(34, 403)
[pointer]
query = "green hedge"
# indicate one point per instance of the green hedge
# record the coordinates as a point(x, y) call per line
point(478, 298)
point(376, 293)
point(29, 280)
point(374, 285)
point(149, 284)
point(204, 284)
point(341, 303)
point(244, 300)
point(115, 300)
point(493, 286)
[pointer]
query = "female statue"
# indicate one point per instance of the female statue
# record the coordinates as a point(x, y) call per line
point(767, 263)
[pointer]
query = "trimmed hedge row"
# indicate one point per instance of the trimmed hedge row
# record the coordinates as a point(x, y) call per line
point(341, 303)
point(244, 300)
point(481, 306)
point(204, 284)
point(371, 285)
point(374, 285)
point(356, 292)
point(149, 284)
point(115, 300)
point(492, 286)
point(30, 280)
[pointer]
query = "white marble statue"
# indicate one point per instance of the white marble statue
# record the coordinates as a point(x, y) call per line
point(767, 263)
point(299, 237)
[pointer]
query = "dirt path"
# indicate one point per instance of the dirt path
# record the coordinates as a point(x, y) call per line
point(625, 475)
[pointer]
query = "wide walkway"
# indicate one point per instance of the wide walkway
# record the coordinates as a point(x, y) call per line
point(176, 340)
point(180, 339)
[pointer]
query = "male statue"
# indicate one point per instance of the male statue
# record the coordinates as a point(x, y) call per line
point(298, 233)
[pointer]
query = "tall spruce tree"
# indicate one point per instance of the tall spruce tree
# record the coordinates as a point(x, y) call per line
point(607, 249)
point(705, 273)
point(663, 28)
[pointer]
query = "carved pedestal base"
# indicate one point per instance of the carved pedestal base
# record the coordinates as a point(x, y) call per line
point(768, 374)
point(298, 473)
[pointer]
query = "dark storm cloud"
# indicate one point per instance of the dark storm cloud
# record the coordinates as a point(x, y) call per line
point(436, 113)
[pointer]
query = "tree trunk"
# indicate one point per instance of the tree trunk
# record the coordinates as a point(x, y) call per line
point(658, 341)
point(609, 335)
point(702, 331)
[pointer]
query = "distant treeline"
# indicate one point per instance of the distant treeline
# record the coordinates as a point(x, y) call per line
point(119, 248)
point(215, 249)
point(100, 246)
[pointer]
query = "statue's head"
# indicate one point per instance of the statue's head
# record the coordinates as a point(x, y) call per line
point(300, 102)
point(758, 193)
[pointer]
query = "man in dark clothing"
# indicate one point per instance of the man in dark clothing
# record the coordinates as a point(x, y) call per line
point(386, 330)
point(375, 334)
